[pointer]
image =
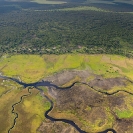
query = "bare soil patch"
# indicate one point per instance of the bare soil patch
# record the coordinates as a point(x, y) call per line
point(107, 84)
point(88, 108)
point(57, 127)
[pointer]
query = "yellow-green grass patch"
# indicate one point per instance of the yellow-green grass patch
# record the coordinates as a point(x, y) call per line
point(84, 122)
point(30, 68)
point(31, 112)
point(7, 100)
point(124, 113)
point(75, 79)
point(125, 110)
point(56, 63)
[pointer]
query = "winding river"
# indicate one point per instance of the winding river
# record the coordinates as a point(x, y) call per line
point(48, 84)
point(13, 109)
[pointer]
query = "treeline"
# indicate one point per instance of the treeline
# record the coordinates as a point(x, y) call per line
point(42, 32)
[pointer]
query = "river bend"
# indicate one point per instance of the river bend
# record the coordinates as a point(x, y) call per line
point(48, 84)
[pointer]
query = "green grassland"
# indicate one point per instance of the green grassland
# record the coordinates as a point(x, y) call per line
point(31, 113)
point(7, 100)
point(31, 68)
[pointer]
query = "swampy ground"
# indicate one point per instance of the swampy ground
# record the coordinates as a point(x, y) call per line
point(101, 99)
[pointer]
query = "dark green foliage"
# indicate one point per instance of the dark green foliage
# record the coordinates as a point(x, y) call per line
point(65, 31)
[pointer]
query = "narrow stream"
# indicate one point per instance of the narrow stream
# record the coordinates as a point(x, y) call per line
point(48, 84)
point(13, 109)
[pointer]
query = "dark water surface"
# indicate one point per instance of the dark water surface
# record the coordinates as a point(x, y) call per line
point(48, 84)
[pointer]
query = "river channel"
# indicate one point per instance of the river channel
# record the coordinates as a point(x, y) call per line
point(46, 114)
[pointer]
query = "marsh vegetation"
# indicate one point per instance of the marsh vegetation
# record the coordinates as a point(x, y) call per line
point(101, 98)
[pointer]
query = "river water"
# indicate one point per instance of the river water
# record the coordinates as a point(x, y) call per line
point(48, 84)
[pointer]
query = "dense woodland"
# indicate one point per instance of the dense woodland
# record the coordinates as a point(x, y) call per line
point(41, 32)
